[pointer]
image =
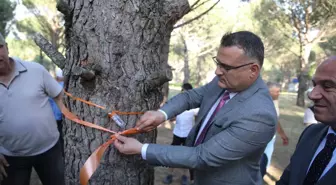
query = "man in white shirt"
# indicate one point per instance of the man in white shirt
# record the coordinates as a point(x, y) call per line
point(313, 162)
point(265, 161)
point(183, 125)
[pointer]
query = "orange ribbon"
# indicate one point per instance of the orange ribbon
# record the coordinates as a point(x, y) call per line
point(92, 163)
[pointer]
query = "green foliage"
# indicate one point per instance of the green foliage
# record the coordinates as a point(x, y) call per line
point(203, 38)
point(24, 49)
point(329, 46)
point(46, 21)
point(28, 51)
point(7, 14)
point(291, 30)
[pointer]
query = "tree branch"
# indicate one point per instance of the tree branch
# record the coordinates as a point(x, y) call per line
point(64, 8)
point(50, 50)
point(195, 3)
point(197, 17)
point(157, 79)
point(84, 73)
point(195, 7)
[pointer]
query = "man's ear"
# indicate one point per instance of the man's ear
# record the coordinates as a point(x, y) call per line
point(255, 69)
point(7, 48)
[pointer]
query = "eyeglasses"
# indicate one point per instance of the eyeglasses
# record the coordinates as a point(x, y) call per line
point(227, 67)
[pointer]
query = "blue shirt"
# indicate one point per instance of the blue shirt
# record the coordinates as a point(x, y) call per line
point(56, 110)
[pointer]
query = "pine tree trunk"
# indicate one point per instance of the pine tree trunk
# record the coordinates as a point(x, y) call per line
point(125, 44)
point(303, 76)
point(186, 69)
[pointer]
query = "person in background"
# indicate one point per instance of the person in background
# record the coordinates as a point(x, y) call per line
point(28, 133)
point(57, 112)
point(265, 161)
point(308, 117)
point(183, 125)
point(314, 159)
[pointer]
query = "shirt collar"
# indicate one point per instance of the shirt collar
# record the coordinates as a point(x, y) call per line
point(19, 67)
point(232, 94)
point(331, 131)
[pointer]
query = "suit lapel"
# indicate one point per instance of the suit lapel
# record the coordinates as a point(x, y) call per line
point(239, 98)
point(307, 153)
point(208, 103)
point(329, 177)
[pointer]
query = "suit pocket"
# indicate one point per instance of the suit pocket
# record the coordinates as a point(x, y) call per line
point(221, 123)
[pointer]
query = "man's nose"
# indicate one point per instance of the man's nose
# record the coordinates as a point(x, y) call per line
point(218, 71)
point(315, 93)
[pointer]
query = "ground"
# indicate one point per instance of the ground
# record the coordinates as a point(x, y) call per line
point(291, 120)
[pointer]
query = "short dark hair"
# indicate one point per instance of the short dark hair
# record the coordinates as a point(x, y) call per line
point(187, 86)
point(273, 84)
point(251, 44)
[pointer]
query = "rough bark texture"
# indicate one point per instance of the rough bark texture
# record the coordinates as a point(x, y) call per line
point(125, 45)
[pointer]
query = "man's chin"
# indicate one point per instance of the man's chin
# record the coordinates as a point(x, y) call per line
point(222, 85)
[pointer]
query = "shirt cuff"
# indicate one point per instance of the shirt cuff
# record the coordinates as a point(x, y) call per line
point(164, 113)
point(144, 150)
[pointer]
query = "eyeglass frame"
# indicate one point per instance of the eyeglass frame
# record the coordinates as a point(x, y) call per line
point(228, 67)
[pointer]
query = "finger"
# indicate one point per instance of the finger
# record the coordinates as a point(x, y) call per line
point(121, 138)
point(4, 161)
point(142, 121)
point(3, 171)
point(118, 145)
point(146, 126)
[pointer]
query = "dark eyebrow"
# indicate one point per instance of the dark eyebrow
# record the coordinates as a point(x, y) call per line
point(324, 82)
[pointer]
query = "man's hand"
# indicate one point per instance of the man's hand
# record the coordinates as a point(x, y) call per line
point(285, 139)
point(150, 120)
point(128, 145)
point(3, 163)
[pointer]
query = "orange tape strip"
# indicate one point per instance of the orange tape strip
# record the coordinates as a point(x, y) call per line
point(92, 163)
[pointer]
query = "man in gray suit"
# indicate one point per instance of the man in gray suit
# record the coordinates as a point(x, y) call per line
point(314, 159)
point(236, 119)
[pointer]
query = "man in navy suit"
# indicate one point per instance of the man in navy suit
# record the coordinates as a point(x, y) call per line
point(313, 162)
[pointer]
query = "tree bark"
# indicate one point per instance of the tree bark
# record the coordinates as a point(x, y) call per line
point(303, 76)
point(186, 69)
point(125, 44)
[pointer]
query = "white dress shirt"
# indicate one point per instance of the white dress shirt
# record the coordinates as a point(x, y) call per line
point(145, 146)
point(321, 146)
point(213, 108)
point(184, 123)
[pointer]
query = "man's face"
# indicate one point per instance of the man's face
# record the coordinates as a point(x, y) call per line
point(4, 59)
point(275, 92)
point(235, 70)
point(324, 93)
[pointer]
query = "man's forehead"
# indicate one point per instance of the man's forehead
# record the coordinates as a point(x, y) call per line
point(322, 75)
point(327, 68)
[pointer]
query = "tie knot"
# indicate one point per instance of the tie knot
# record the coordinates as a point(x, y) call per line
point(331, 141)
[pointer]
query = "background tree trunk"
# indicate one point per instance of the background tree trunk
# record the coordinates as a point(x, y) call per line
point(125, 44)
point(186, 69)
point(303, 76)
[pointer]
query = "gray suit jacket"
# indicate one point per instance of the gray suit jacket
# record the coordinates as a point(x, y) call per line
point(235, 141)
point(295, 173)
